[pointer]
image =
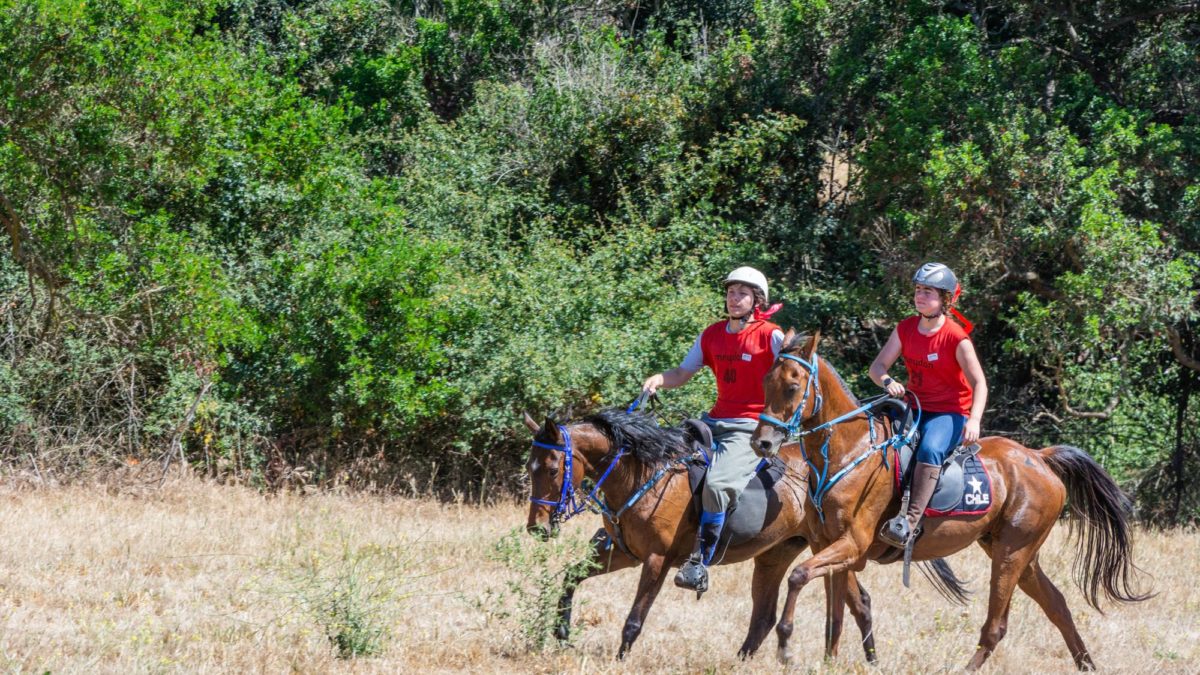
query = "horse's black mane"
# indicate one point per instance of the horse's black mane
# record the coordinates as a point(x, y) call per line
point(640, 435)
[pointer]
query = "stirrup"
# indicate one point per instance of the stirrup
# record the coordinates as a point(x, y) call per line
point(693, 576)
point(896, 531)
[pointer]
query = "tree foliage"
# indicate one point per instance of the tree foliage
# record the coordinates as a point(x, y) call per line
point(355, 238)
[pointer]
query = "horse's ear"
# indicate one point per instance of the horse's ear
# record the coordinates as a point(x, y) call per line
point(550, 431)
point(789, 336)
point(533, 426)
point(812, 343)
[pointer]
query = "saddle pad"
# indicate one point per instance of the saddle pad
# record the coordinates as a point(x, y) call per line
point(756, 506)
point(964, 489)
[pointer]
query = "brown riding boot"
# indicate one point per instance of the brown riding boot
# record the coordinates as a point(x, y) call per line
point(898, 530)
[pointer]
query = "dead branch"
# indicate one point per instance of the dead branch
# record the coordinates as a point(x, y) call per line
point(1177, 349)
point(177, 439)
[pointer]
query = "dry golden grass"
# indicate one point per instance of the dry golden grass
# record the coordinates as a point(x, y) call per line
point(214, 579)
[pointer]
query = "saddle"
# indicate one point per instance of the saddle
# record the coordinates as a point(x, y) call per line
point(700, 436)
point(964, 488)
point(757, 504)
point(900, 415)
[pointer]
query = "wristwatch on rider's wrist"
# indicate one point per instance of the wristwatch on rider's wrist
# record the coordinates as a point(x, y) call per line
point(887, 381)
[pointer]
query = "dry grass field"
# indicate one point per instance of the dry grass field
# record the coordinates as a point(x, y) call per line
point(205, 578)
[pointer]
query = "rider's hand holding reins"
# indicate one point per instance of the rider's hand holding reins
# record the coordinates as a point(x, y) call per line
point(894, 388)
point(652, 383)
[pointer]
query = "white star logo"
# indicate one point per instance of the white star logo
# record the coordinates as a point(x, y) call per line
point(976, 484)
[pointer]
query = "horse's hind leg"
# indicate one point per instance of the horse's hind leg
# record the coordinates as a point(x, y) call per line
point(859, 603)
point(605, 557)
point(1038, 586)
point(843, 590)
point(653, 574)
point(835, 611)
point(769, 569)
point(1009, 562)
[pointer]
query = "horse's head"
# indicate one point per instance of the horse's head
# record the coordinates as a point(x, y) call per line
point(792, 394)
point(555, 471)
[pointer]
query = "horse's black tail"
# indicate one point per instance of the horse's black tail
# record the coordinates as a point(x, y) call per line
point(943, 579)
point(1100, 511)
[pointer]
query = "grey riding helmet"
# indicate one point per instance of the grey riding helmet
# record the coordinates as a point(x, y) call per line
point(937, 275)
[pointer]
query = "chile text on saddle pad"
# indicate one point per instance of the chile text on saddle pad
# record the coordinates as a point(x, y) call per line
point(965, 488)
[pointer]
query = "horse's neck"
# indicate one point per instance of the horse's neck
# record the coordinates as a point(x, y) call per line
point(837, 401)
point(596, 449)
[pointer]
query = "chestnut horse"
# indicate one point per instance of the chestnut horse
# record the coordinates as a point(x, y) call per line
point(857, 493)
point(643, 495)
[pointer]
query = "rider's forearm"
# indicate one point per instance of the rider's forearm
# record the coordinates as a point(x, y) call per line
point(979, 404)
point(877, 373)
point(676, 377)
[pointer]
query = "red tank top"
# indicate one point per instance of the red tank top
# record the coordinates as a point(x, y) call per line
point(933, 371)
point(739, 361)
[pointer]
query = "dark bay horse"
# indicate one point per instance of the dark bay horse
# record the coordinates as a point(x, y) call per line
point(1029, 489)
point(646, 506)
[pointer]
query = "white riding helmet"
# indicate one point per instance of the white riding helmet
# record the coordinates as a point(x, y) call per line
point(750, 277)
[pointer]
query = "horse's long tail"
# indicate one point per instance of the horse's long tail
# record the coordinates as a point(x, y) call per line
point(1100, 510)
point(943, 579)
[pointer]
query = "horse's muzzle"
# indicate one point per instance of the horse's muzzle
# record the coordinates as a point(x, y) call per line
point(766, 443)
point(543, 532)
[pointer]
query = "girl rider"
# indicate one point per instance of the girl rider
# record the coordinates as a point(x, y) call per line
point(945, 376)
point(740, 351)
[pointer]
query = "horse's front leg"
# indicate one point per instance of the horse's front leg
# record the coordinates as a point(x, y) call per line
point(839, 556)
point(769, 570)
point(605, 557)
point(653, 574)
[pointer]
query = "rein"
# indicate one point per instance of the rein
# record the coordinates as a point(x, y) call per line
point(567, 505)
point(794, 427)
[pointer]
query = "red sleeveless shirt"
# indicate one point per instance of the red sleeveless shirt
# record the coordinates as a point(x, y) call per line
point(933, 371)
point(739, 361)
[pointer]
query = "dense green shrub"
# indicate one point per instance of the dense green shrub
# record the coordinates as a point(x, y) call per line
point(352, 240)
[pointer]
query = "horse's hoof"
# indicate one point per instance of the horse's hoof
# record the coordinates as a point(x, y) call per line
point(562, 633)
point(784, 657)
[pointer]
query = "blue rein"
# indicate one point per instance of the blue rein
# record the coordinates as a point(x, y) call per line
point(794, 427)
point(567, 505)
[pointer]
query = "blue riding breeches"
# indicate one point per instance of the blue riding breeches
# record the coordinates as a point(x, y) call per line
point(940, 434)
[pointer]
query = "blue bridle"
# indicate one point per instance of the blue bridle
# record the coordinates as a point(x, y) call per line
point(567, 506)
point(793, 427)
